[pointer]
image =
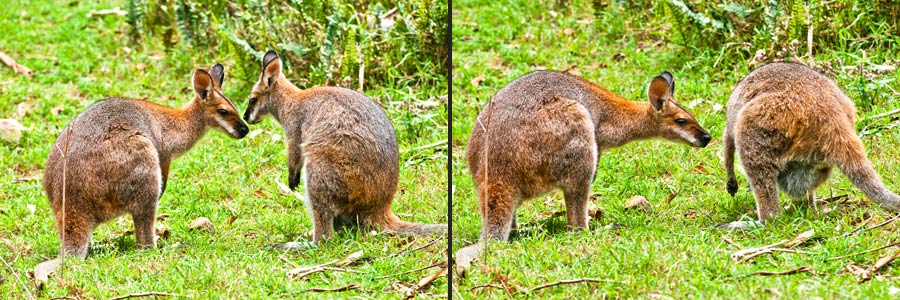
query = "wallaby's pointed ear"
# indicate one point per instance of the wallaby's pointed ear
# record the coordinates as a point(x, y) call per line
point(659, 91)
point(217, 73)
point(671, 80)
point(203, 83)
point(271, 67)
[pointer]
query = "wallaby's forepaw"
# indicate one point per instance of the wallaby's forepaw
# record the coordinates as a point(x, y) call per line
point(732, 186)
point(742, 225)
point(293, 179)
point(299, 246)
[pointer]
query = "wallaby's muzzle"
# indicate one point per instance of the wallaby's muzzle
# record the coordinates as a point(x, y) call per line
point(704, 139)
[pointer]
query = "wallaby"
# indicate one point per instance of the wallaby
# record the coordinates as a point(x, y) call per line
point(117, 155)
point(343, 146)
point(546, 130)
point(790, 125)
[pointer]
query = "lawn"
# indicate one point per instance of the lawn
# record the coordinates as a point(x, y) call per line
point(672, 250)
point(78, 59)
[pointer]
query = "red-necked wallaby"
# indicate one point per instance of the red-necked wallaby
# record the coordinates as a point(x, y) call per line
point(545, 130)
point(343, 146)
point(790, 125)
point(117, 154)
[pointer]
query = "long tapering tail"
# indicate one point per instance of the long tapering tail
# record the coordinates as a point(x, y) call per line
point(391, 222)
point(859, 170)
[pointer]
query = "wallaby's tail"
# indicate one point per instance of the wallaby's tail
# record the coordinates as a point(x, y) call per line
point(859, 170)
point(732, 185)
point(390, 222)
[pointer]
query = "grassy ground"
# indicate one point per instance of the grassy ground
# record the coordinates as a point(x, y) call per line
point(672, 250)
point(79, 59)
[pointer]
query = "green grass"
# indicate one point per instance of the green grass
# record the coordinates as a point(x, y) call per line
point(673, 250)
point(78, 60)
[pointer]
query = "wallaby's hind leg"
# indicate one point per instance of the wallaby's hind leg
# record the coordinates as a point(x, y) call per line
point(763, 180)
point(577, 206)
point(498, 209)
point(144, 231)
point(325, 188)
point(77, 238)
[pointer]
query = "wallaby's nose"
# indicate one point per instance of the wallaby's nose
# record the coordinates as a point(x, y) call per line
point(704, 139)
point(243, 130)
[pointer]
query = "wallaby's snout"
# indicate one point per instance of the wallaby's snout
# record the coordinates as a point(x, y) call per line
point(242, 131)
point(704, 138)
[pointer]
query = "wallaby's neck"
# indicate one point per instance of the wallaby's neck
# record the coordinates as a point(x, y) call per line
point(280, 94)
point(182, 127)
point(626, 121)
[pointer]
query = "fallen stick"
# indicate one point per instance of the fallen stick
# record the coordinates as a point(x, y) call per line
point(15, 66)
point(139, 295)
point(16, 275)
point(570, 281)
point(884, 114)
point(298, 273)
point(339, 289)
point(432, 145)
point(867, 251)
point(803, 269)
point(483, 286)
point(425, 282)
point(416, 270)
point(884, 261)
point(405, 250)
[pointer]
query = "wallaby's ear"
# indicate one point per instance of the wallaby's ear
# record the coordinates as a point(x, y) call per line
point(217, 73)
point(660, 90)
point(203, 83)
point(271, 67)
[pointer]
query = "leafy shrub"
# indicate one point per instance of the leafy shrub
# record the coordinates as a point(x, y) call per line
point(324, 42)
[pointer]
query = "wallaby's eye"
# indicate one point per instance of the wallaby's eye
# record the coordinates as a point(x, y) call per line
point(680, 121)
point(222, 112)
point(252, 101)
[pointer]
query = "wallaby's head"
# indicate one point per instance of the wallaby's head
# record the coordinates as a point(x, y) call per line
point(675, 123)
point(260, 104)
point(218, 112)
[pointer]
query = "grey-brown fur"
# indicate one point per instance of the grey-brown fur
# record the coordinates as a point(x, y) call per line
point(118, 157)
point(545, 130)
point(342, 144)
point(790, 125)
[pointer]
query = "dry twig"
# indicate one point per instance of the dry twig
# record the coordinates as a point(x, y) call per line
point(425, 282)
point(416, 270)
point(570, 281)
point(339, 289)
point(803, 269)
point(15, 66)
point(147, 294)
point(867, 251)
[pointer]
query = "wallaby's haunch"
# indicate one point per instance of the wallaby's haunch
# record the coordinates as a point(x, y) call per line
point(117, 157)
point(343, 146)
point(790, 125)
point(546, 130)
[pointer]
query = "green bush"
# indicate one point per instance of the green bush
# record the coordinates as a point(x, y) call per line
point(779, 28)
point(322, 42)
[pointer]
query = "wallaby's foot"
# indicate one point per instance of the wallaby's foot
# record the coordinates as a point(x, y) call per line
point(741, 225)
point(465, 256)
point(43, 270)
point(732, 186)
point(298, 246)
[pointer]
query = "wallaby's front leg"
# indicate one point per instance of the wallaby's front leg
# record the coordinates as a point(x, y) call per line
point(295, 163)
point(732, 185)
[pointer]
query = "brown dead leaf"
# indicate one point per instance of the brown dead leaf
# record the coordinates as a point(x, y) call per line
point(23, 108)
point(11, 130)
point(569, 31)
point(201, 223)
point(637, 202)
point(57, 109)
point(231, 220)
point(477, 80)
point(140, 66)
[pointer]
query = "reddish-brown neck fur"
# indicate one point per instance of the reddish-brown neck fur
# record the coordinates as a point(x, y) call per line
point(619, 121)
point(280, 92)
point(182, 127)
